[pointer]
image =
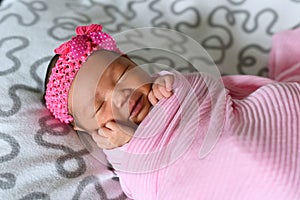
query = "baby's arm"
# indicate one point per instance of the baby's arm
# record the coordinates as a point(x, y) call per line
point(161, 88)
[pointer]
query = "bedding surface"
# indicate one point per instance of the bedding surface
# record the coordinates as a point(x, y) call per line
point(41, 158)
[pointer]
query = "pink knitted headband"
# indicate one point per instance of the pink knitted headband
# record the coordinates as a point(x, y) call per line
point(73, 54)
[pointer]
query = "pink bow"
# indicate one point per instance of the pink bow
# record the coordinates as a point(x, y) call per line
point(87, 36)
point(84, 30)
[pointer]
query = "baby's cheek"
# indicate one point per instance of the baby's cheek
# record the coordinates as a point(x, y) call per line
point(105, 114)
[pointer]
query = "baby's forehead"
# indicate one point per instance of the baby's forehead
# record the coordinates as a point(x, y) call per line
point(103, 57)
point(97, 64)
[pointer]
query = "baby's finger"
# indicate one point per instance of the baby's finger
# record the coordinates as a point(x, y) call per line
point(118, 133)
point(156, 91)
point(111, 125)
point(169, 80)
point(164, 91)
point(120, 127)
point(152, 98)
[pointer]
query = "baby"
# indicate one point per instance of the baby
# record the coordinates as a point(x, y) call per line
point(135, 95)
point(155, 128)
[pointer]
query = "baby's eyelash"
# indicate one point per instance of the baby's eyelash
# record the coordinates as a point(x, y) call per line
point(99, 107)
point(123, 73)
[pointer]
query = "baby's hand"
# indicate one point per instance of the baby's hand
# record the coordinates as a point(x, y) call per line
point(161, 88)
point(113, 135)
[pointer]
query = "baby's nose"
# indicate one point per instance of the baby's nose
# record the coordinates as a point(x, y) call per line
point(120, 97)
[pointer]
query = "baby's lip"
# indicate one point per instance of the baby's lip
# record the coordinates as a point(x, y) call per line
point(135, 104)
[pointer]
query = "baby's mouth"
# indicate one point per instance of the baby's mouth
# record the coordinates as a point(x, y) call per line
point(135, 105)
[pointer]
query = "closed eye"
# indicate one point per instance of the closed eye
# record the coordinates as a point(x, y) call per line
point(99, 107)
point(122, 74)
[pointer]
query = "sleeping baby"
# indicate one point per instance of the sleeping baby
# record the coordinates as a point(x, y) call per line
point(183, 136)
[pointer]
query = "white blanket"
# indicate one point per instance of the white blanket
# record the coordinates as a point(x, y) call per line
point(43, 159)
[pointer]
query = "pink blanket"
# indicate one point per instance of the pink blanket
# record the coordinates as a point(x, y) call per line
point(207, 143)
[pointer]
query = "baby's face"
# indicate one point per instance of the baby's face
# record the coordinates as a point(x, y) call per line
point(109, 87)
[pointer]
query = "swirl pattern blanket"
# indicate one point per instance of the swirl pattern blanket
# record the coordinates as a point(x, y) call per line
point(42, 159)
point(205, 142)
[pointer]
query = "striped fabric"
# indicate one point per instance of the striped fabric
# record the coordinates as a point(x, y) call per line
point(255, 155)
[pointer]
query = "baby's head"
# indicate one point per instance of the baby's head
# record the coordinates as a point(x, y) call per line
point(90, 83)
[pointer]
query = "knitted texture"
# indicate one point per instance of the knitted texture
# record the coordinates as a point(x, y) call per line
point(73, 54)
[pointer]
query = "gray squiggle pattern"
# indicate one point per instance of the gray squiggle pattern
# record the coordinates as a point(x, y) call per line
point(93, 180)
point(12, 91)
point(8, 180)
point(250, 60)
point(33, 71)
point(33, 7)
point(15, 147)
point(9, 53)
point(42, 159)
point(36, 196)
point(60, 129)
